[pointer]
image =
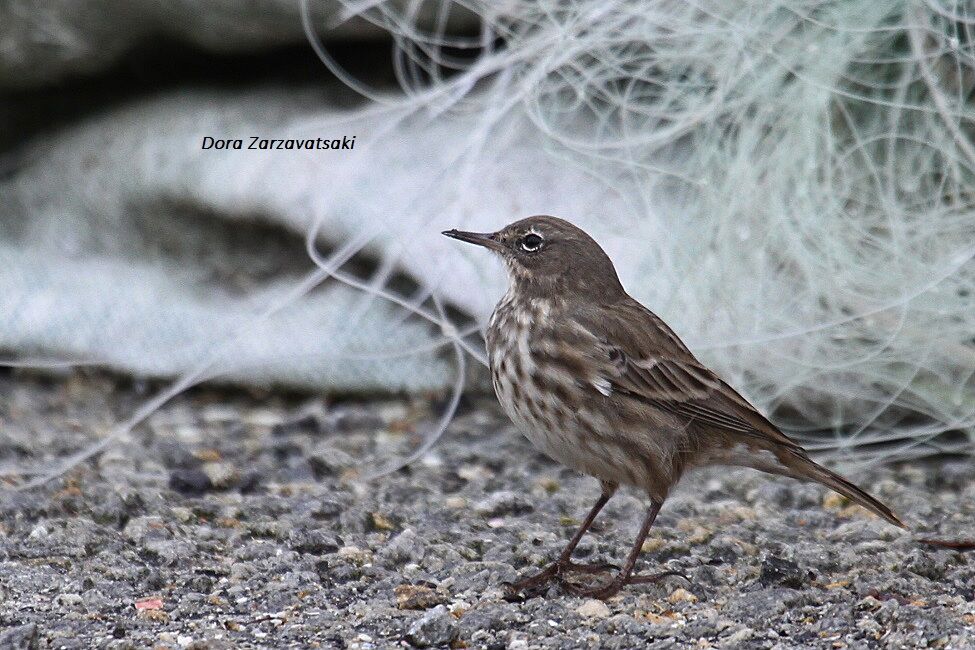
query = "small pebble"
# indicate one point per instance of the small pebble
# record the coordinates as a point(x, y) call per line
point(191, 482)
point(593, 609)
point(436, 628)
point(416, 597)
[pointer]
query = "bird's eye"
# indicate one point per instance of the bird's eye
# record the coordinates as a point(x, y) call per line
point(531, 242)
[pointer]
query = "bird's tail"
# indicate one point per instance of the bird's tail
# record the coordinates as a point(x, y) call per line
point(811, 470)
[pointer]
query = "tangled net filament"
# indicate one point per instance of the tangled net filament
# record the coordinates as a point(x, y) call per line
point(799, 172)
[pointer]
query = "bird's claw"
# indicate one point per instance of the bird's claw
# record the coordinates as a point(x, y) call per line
point(601, 592)
point(656, 577)
point(616, 584)
point(528, 587)
point(595, 567)
point(531, 586)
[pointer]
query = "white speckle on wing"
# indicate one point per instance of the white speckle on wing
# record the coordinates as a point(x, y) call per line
point(603, 386)
point(543, 310)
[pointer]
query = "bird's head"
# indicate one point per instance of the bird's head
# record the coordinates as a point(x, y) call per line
point(549, 255)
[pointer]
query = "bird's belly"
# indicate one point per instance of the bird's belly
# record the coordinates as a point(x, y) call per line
point(542, 431)
point(561, 441)
point(570, 435)
point(541, 418)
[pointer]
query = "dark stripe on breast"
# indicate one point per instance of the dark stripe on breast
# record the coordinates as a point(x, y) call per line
point(574, 365)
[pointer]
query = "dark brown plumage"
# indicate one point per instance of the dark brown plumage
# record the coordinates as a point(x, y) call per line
point(601, 384)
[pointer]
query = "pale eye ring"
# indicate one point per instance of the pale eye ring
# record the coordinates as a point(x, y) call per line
point(531, 242)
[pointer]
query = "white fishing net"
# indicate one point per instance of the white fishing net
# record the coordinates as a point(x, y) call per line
point(787, 183)
point(794, 184)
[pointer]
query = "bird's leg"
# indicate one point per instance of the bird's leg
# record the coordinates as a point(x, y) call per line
point(564, 562)
point(625, 576)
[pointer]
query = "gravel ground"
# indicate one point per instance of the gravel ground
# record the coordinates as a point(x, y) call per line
point(234, 520)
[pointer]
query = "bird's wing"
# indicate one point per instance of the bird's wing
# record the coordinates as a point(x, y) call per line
point(640, 357)
point(636, 356)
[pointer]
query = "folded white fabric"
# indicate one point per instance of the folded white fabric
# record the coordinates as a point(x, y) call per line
point(789, 189)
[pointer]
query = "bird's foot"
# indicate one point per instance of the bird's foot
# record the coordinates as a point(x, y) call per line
point(527, 587)
point(594, 567)
point(613, 587)
point(531, 585)
point(656, 577)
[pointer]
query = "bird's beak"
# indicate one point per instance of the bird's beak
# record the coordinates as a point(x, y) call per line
point(485, 239)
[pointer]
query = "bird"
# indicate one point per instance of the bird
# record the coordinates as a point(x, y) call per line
point(601, 384)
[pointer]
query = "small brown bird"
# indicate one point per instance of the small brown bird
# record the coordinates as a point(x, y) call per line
point(599, 383)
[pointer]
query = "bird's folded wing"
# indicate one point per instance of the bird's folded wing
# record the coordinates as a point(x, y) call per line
point(641, 358)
